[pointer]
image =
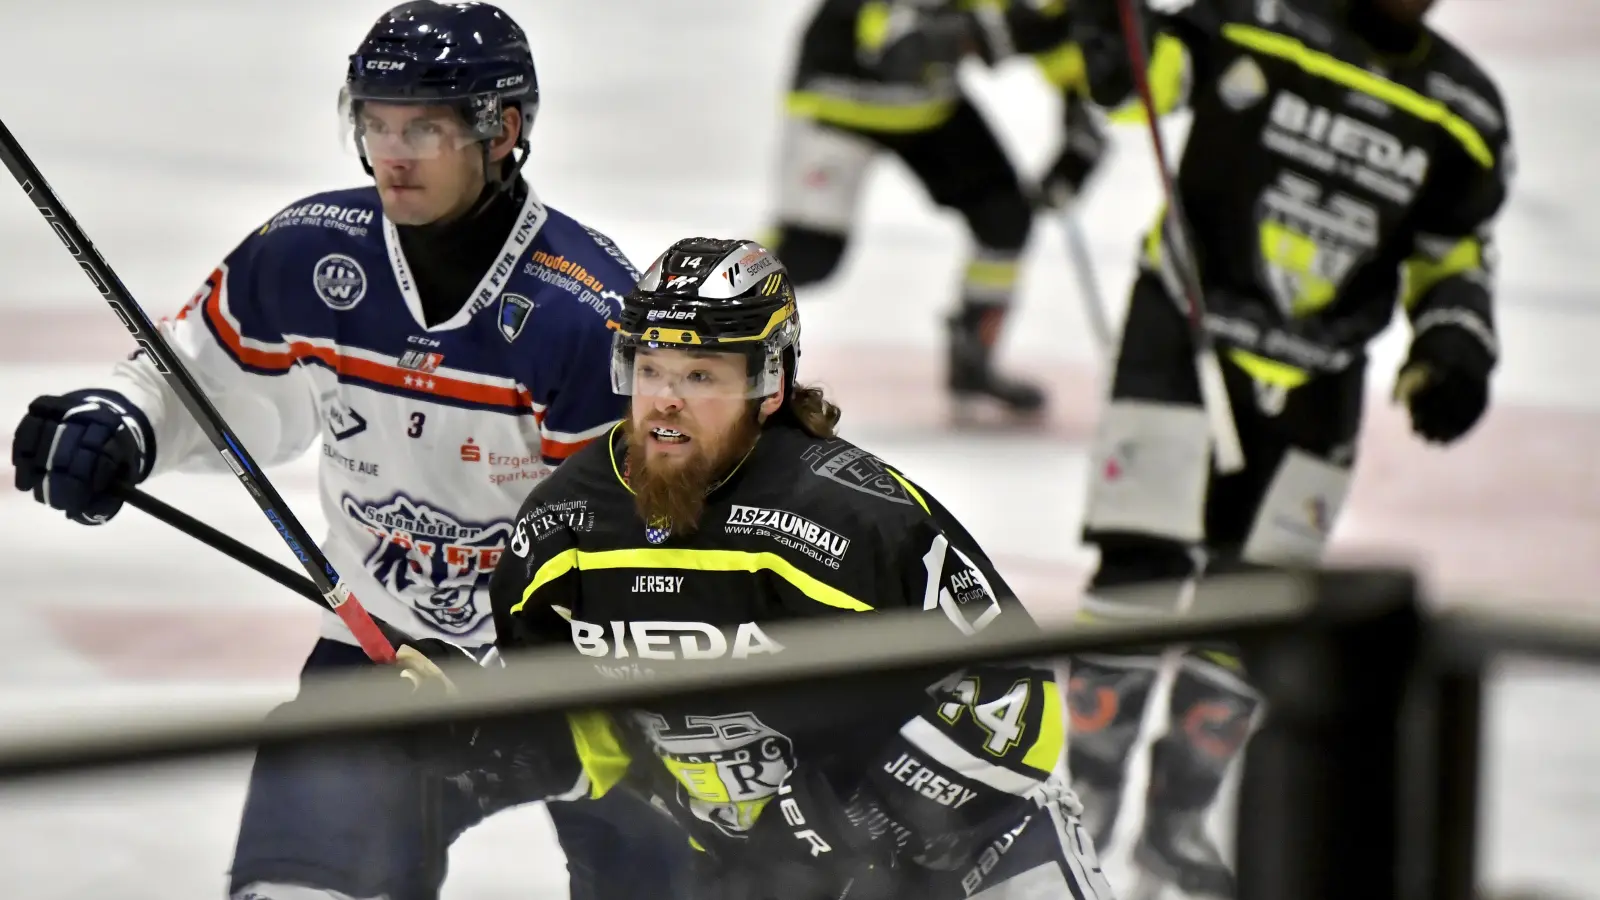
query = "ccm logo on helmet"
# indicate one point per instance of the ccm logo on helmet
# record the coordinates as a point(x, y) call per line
point(509, 81)
point(386, 65)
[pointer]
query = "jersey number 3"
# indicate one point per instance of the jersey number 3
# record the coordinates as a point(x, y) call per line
point(417, 421)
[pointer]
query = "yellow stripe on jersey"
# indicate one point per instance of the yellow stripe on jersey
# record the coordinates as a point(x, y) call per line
point(1268, 371)
point(1315, 62)
point(872, 26)
point(599, 751)
point(694, 560)
point(1420, 273)
point(1051, 742)
point(1168, 79)
point(1063, 67)
point(864, 116)
point(553, 568)
point(915, 494)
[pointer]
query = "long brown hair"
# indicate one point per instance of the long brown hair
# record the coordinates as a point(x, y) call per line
point(817, 415)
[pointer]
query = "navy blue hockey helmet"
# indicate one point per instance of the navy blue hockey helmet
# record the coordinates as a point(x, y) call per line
point(470, 56)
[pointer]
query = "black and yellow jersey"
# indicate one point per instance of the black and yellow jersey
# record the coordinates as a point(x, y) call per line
point(803, 528)
point(1321, 178)
point(874, 66)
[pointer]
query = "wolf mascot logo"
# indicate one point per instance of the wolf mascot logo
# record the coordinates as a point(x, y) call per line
point(427, 556)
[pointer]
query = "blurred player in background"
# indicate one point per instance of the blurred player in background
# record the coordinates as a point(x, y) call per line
point(443, 335)
point(879, 76)
point(726, 503)
point(1343, 159)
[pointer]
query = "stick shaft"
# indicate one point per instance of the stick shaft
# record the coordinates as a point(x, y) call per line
point(335, 596)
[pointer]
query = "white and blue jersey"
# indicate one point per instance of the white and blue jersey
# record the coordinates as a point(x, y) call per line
point(312, 330)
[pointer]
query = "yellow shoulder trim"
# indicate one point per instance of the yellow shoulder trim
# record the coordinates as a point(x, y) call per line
point(553, 568)
point(719, 561)
point(599, 751)
point(1356, 78)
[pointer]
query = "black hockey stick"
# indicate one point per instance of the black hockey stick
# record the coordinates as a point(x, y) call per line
point(1213, 390)
point(334, 595)
point(217, 540)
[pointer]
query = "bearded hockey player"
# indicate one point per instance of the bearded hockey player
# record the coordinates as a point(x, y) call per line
point(878, 77)
point(442, 335)
point(1344, 159)
point(723, 504)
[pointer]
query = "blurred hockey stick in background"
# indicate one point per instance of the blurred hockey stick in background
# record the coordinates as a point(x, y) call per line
point(334, 595)
point(1088, 283)
point(1062, 204)
point(1213, 390)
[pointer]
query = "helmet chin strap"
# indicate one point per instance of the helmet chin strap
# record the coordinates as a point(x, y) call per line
point(501, 176)
point(791, 363)
point(497, 178)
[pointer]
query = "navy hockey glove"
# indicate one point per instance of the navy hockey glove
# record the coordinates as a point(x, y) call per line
point(1083, 149)
point(71, 450)
point(1445, 382)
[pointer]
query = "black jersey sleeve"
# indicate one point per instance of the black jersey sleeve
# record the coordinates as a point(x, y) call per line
point(1178, 39)
point(1023, 27)
point(986, 737)
point(1448, 281)
point(533, 590)
point(899, 40)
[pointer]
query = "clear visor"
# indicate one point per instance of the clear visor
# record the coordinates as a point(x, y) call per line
point(378, 130)
point(687, 373)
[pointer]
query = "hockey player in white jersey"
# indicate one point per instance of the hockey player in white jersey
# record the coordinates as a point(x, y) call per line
point(443, 336)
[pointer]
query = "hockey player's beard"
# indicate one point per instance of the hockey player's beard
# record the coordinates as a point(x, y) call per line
point(674, 491)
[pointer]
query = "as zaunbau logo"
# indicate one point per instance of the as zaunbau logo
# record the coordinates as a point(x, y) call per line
point(437, 563)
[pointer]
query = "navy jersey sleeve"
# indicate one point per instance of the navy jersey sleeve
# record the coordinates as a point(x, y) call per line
point(228, 336)
point(573, 396)
point(579, 402)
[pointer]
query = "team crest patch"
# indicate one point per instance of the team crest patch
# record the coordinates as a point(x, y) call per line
point(339, 281)
point(658, 531)
point(514, 310)
point(856, 469)
point(432, 560)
